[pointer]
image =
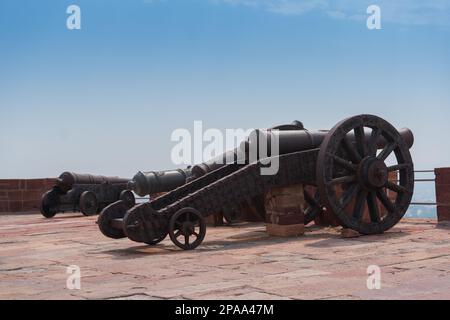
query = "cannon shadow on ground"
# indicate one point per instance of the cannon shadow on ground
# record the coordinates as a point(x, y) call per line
point(314, 237)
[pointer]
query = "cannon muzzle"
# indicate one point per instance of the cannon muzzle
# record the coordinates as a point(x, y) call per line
point(146, 183)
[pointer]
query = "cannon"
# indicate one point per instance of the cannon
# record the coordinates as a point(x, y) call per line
point(348, 166)
point(86, 193)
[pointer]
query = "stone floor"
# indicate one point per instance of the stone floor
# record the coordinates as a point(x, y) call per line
point(240, 262)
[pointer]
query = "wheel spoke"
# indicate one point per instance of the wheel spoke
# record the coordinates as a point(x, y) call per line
point(186, 240)
point(344, 179)
point(188, 216)
point(387, 150)
point(372, 144)
point(399, 167)
point(353, 154)
point(348, 195)
point(360, 143)
point(396, 187)
point(373, 207)
point(195, 234)
point(344, 163)
point(382, 196)
point(177, 234)
point(359, 205)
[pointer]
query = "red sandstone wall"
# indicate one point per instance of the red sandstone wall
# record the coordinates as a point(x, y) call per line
point(443, 193)
point(17, 195)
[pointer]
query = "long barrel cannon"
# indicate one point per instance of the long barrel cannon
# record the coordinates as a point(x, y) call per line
point(67, 180)
point(84, 192)
point(302, 140)
point(288, 141)
point(349, 167)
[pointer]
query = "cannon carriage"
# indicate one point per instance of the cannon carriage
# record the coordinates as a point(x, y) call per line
point(347, 168)
point(86, 193)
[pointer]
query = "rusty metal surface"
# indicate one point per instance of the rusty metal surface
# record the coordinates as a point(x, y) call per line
point(346, 145)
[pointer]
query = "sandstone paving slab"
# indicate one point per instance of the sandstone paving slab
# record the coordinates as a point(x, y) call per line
point(234, 262)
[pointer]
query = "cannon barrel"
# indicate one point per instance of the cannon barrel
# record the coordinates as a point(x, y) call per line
point(146, 183)
point(288, 141)
point(302, 140)
point(238, 153)
point(217, 162)
point(67, 179)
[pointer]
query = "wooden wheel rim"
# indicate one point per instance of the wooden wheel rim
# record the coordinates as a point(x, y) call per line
point(328, 161)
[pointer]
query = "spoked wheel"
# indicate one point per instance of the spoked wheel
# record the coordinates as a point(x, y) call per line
point(50, 204)
point(128, 198)
point(184, 224)
point(312, 201)
point(88, 203)
point(353, 175)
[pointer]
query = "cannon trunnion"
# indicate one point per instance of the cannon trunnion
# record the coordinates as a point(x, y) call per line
point(86, 193)
point(347, 166)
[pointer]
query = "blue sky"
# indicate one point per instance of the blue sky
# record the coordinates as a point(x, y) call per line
point(105, 99)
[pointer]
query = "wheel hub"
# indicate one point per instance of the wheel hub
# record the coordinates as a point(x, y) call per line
point(188, 228)
point(373, 172)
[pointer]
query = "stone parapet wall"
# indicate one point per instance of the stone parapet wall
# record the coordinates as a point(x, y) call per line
point(21, 195)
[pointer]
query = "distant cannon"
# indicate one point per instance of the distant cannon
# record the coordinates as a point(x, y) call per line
point(349, 167)
point(86, 193)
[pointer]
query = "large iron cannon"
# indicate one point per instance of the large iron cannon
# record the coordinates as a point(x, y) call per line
point(86, 193)
point(348, 166)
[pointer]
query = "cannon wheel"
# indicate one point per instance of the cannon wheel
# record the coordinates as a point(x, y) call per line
point(105, 220)
point(88, 203)
point(150, 231)
point(352, 178)
point(128, 198)
point(157, 240)
point(50, 204)
point(187, 222)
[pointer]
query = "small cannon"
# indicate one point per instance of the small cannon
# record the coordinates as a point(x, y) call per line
point(348, 167)
point(86, 193)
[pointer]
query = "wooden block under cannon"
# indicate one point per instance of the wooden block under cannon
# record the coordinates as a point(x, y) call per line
point(284, 213)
